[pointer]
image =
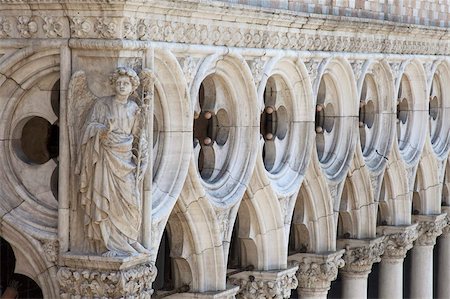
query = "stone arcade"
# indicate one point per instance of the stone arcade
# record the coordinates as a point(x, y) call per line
point(295, 149)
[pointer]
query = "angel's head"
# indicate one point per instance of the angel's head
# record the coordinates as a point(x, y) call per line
point(124, 80)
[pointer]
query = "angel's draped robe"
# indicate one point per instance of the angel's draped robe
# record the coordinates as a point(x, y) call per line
point(108, 192)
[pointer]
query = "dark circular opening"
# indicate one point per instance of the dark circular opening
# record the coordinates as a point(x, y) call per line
point(39, 141)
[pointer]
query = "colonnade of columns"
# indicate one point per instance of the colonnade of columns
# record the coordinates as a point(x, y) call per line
point(355, 260)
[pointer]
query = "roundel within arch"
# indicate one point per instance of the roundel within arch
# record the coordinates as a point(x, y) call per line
point(225, 127)
point(376, 115)
point(335, 120)
point(37, 72)
point(285, 97)
point(412, 112)
point(439, 109)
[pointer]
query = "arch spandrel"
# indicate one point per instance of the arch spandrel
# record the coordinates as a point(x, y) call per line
point(315, 205)
point(31, 258)
point(427, 189)
point(397, 195)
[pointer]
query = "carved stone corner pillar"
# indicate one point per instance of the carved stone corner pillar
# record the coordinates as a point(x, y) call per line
point(316, 272)
point(398, 240)
point(359, 256)
point(88, 276)
point(229, 293)
point(429, 228)
point(265, 284)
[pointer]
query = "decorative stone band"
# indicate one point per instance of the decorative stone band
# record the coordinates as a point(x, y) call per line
point(265, 284)
point(360, 254)
point(317, 271)
point(398, 240)
point(219, 25)
point(98, 277)
point(429, 228)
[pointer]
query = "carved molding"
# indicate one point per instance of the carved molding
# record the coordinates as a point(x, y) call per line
point(398, 240)
point(360, 255)
point(270, 284)
point(135, 282)
point(168, 22)
point(316, 271)
point(429, 228)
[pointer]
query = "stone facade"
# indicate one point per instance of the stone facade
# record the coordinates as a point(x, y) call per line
point(288, 143)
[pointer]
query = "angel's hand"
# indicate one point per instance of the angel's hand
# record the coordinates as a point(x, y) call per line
point(111, 124)
point(104, 133)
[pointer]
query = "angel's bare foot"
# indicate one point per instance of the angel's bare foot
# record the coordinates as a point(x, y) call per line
point(110, 253)
point(139, 248)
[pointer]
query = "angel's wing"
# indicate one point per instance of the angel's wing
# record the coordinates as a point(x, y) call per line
point(80, 102)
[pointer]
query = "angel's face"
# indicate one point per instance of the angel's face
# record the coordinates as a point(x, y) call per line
point(124, 86)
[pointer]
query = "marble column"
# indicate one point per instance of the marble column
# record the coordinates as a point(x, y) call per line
point(429, 228)
point(359, 256)
point(265, 284)
point(398, 240)
point(316, 272)
point(443, 290)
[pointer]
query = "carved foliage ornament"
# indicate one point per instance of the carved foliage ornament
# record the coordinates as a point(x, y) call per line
point(318, 274)
point(135, 282)
point(398, 244)
point(360, 259)
point(429, 231)
point(255, 289)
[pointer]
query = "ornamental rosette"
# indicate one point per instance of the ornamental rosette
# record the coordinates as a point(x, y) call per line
point(5, 27)
point(80, 26)
point(26, 26)
point(105, 27)
point(52, 27)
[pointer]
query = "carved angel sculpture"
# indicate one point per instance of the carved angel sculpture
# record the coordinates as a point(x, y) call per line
point(103, 136)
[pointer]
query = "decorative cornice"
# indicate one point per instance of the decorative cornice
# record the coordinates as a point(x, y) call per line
point(317, 271)
point(399, 239)
point(267, 284)
point(429, 228)
point(221, 25)
point(361, 254)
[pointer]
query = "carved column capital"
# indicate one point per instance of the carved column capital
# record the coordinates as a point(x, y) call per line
point(398, 240)
point(429, 228)
point(360, 254)
point(265, 284)
point(317, 271)
point(446, 229)
point(98, 277)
